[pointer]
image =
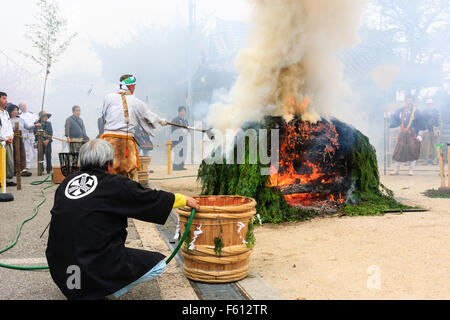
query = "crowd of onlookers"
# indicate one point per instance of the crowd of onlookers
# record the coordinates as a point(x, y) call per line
point(21, 146)
point(30, 125)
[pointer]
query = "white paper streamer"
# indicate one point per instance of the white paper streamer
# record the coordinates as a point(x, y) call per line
point(196, 234)
point(240, 226)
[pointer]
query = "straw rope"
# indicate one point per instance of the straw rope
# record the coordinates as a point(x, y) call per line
point(238, 210)
point(65, 140)
point(217, 224)
point(217, 260)
point(226, 251)
point(216, 276)
point(219, 216)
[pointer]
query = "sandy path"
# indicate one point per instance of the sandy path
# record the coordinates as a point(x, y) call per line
point(334, 258)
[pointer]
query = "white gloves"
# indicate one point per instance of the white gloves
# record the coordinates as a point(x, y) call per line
point(162, 122)
point(419, 137)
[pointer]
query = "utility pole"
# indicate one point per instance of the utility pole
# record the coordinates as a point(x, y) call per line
point(40, 131)
point(192, 28)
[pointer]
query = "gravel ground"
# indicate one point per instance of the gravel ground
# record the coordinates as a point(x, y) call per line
point(381, 257)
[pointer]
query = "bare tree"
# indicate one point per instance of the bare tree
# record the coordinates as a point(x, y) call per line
point(412, 34)
point(418, 29)
point(48, 37)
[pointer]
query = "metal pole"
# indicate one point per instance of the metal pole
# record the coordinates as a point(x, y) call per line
point(169, 155)
point(448, 163)
point(40, 131)
point(45, 87)
point(192, 22)
point(47, 72)
point(4, 196)
point(385, 145)
point(17, 155)
point(40, 157)
point(385, 132)
point(3, 166)
point(440, 156)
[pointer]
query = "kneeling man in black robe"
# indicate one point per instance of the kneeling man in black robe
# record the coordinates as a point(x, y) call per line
point(88, 227)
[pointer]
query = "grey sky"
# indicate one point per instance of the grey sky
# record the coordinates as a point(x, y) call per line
point(105, 21)
point(110, 22)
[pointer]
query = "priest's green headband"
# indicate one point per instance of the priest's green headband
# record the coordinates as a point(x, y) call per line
point(128, 81)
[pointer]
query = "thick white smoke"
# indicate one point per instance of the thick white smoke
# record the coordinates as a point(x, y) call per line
point(291, 59)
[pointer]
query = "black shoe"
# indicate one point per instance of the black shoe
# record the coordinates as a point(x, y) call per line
point(11, 184)
point(25, 173)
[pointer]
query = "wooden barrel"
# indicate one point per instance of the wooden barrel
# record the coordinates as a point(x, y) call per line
point(143, 178)
point(58, 177)
point(145, 162)
point(219, 243)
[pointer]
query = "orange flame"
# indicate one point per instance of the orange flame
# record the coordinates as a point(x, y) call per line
point(287, 174)
point(292, 107)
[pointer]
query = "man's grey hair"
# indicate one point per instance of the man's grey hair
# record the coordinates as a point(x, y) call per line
point(96, 154)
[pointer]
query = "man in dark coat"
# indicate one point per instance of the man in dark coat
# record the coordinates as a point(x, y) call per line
point(143, 140)
point(178, 139)
point(410, 121)
point(75, 130)
point(86, 250)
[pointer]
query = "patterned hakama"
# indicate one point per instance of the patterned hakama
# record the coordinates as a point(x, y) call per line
point(126, 156)
point(407, 148)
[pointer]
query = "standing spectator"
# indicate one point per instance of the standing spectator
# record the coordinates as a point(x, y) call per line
point(7, 135)
point(101, 126)
point(178, 136)
point(75, 130)
point(407, 149)
point(14, 115)
point(145, 145)
point(432, 119)
point(47, 137)
point(28, 141)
